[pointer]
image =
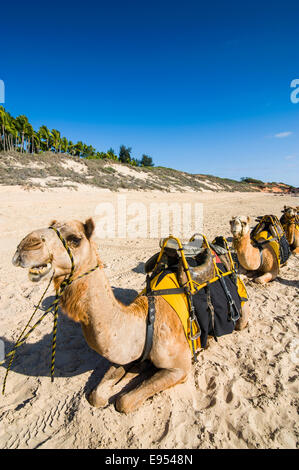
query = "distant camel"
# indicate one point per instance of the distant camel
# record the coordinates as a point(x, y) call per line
point(249, 256)
point(290, 222)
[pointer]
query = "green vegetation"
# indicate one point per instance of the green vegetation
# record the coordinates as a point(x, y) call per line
point(247, 179)
point(18, 134)
point(54, 170)
point(49, 159)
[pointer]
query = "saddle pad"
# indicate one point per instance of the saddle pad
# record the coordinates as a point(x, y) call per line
point(177, 301)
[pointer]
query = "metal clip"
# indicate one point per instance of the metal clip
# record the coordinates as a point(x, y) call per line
point(197, 335)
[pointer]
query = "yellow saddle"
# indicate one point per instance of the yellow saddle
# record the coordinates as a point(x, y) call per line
point(266, 237)
point(179, 303)
point(165, 283)
point(269, 230)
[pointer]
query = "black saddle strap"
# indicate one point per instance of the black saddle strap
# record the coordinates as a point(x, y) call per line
point(174, 290)
point(151, 315)
point(233, 313)
point(211, 309)
point(260, 246)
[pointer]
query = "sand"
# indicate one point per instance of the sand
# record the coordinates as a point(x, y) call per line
point(242, 392)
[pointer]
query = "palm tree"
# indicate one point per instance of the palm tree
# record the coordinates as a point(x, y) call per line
point(19, 134)
point(11, 132)
point(13, 135)
point(44, 135)
point(71, 148)
point(79, 148)
point(64, 145)
point(111, 155)
point(37, 142)
point(29, 138)
point(4, 125)
point(21, 123)
point(55, 139)
point(88, 151)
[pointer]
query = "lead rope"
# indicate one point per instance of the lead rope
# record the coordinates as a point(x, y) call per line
point(55, 304)
point(63, 285)
point(19, 342)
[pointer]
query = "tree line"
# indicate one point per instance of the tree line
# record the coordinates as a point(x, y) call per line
point(18, 134)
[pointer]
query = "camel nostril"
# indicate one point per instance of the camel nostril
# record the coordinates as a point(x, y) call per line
point(16, 259)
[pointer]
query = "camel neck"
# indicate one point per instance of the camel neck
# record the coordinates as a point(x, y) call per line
point(78, 298)
point(248, 255)
point(109, 327)
point(290, 231)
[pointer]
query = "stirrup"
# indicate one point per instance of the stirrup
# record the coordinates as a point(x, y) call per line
point(196, 335)
point(234, 318)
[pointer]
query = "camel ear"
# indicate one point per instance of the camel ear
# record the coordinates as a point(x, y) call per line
point(53, 223)
point(89, 227)
point(248, 219)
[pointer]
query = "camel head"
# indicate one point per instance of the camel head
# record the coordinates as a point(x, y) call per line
point(42, 252)
point(239, 226)
point(290, 212)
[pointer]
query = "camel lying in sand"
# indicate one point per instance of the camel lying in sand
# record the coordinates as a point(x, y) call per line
point(289, 221)
point(112, 329)
point(249, 256)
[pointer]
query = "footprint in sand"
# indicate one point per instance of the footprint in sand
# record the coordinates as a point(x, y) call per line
point(229, 397)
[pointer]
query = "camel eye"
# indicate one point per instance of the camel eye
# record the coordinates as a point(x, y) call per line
point(73, 240)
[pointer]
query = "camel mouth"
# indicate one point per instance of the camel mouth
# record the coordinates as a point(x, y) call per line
point(36, 273)
point(236, 233)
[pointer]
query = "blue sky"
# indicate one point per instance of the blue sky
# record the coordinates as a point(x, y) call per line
point(203, 87)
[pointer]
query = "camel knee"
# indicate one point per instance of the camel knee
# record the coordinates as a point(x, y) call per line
point(264, 278)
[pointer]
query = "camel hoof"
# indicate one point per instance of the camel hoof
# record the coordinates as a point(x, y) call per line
point(124, 405)
point(260, 281)
point(240, 325)
point(96, 401)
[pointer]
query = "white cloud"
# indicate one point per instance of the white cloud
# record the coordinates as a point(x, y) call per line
point(290, 157)
point(281, 135)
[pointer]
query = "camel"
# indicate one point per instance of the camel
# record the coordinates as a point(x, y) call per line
point(249, 256)
point(115, 331)
point(290, 223)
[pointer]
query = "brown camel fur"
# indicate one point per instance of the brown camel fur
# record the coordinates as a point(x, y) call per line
point(289, 220)
point(112, 329)
point(249, 256)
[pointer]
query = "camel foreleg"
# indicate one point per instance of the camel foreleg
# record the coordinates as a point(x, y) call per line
point(161, 380)
point(115, 379)
point(243, 320)
point(101, 393)
point(267, 277)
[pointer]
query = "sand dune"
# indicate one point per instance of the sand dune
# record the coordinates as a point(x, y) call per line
point(242, 392)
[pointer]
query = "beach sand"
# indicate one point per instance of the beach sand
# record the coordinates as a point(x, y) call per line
point(242, 392)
